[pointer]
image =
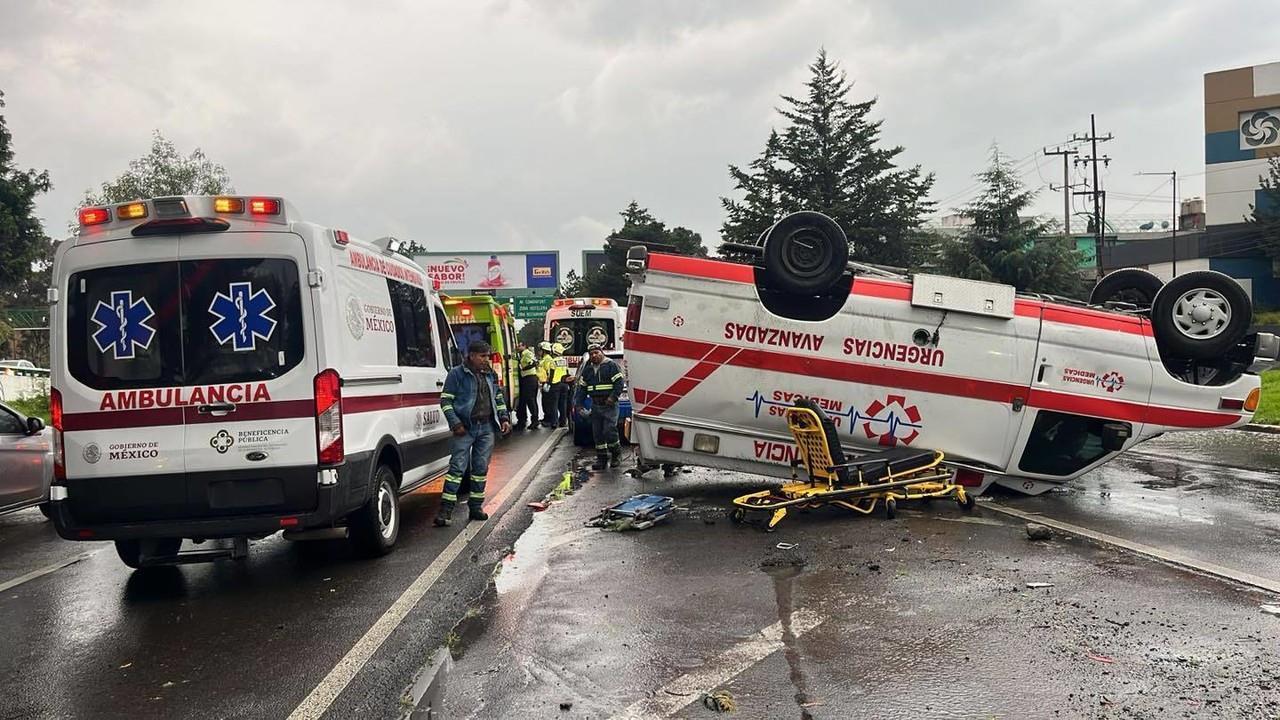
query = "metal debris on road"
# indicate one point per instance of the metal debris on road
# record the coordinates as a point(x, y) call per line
point(1039, 585)
point(787, 546)
point(638, 512)
point(1099, 658)
point(720, 701)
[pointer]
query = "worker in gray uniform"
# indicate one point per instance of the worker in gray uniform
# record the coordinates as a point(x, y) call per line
point(601, 380)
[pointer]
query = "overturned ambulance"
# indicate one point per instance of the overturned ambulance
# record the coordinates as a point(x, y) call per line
point(1019, 390)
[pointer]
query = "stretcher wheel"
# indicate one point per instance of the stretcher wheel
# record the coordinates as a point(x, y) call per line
point(966, 503)
point(890, 508)
point(738, 516)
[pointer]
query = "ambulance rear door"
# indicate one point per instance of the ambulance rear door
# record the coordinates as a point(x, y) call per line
point(251, 360)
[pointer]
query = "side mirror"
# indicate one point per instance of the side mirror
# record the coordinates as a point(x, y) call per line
point(34, 425)
point(1115, 435)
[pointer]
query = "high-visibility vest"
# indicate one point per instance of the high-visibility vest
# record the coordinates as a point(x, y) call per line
point(545, 366)
point(528, 364)
point(560, 369)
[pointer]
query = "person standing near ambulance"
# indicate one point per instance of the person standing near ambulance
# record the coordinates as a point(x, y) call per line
point(561, 385)
point(473, 405)
point(527, 412)
point(546, 370)
point(601, 379)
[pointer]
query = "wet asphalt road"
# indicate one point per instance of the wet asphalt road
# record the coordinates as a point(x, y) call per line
point(925, 616)
point(1214, 496)
point(231, 639)
point(922, 617)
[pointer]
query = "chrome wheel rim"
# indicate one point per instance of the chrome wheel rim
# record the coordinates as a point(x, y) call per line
point(1202, 314)
point(387, 516)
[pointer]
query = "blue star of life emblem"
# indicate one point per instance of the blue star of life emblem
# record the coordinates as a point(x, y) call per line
point(242, 316)
point(122, 324)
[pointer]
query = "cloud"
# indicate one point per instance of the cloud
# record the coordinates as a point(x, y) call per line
point(515, 123)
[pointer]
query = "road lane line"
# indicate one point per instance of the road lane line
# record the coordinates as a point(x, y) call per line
point(316, 703)
point(1171, 557)
point(10, 584)
point(688, 688)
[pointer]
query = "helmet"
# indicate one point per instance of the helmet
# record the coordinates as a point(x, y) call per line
point(544, 346)
point(594, 346)
point(557, 348)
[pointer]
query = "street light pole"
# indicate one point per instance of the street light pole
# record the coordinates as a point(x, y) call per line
point(1173, 177)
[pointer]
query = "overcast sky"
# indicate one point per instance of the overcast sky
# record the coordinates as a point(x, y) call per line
point(507, 124)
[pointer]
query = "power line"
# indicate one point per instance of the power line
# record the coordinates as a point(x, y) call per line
point(1099, 197)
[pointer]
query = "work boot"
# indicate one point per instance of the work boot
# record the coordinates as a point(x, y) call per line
point(478, 514)
point(601, 463)
point(615, 456)
point(443, 515)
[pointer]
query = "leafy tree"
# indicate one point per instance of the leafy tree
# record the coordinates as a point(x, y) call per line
point(1003, 246)
point(638, 225)
point(28, 253)
point(829, 158)
point(530, 333)
point(571, 286)
point(1266, 214)
point(164, 171)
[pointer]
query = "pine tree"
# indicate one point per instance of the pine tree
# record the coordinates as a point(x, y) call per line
point(1003, 246)
point(27, 251)
point(829, 158)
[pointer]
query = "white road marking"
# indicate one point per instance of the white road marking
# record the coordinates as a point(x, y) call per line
point(1171, 557)
point(10, 584)
point(688, 688)
point(341, 675)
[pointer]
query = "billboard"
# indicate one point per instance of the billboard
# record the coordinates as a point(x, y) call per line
point(592, 260)
point(492, 271)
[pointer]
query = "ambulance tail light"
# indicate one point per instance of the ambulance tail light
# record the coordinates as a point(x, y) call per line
point(264, 206)
point(634, 307)
point(705, 443)
point(496, 360)
point(328, 396)
point(94, 216)
point(1251, 402)
point(968, 478)
point(59, 450)
point(669, 438)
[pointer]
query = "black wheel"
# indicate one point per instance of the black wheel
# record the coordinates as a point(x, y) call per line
point(46, 510)
point(966, 503)
point(1200, 315)
point(376, 525)
point(1130, 285)
point(805, 253)
point(890, 509)
point(738, 516)
point(131, 552)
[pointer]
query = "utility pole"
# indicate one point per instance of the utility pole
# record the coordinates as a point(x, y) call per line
point(1099, 197)
point(1066, 188)
point(1173, 255)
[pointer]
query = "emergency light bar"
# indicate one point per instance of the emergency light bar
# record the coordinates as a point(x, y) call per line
point(585, 302)
point(191, 211)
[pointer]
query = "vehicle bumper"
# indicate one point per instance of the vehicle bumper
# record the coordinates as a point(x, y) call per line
point(84, 515)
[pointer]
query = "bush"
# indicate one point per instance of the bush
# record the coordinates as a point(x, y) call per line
point(1269, 406)
point(34, 406)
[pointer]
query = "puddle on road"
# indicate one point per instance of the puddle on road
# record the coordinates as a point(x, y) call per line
point(784, 577)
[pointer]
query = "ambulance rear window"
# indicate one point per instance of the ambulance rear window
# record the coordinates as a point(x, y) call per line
point(197, 322)
point(576, 333)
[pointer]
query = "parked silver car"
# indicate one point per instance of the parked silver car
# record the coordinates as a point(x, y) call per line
point(26, 461)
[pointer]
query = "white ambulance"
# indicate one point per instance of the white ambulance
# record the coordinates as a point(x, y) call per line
point(223, 369)
point(1018, 390)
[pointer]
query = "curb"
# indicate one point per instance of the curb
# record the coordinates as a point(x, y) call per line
point(1259, 427)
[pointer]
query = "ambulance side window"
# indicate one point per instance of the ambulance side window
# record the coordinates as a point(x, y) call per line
point(414, 344)
point(1061, 444)
point(446, 340)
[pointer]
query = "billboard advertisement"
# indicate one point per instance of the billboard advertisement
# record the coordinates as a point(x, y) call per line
point(492, 271)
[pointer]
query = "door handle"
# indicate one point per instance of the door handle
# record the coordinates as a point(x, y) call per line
point(439, 383)
point(216, 409)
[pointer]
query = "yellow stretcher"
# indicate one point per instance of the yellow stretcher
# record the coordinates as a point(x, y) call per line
point(877, 480)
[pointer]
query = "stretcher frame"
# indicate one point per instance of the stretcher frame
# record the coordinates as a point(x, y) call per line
point(824, 486)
